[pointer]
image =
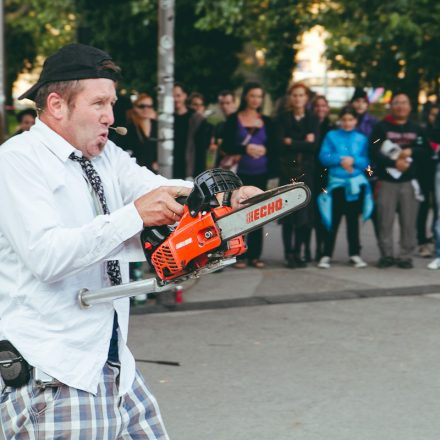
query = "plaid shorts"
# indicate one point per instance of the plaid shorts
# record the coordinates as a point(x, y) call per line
point(62, 412)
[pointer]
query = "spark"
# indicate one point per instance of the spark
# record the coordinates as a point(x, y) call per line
point(324, 190)
point(376, 141)
point(295, 179)
point(369, 171)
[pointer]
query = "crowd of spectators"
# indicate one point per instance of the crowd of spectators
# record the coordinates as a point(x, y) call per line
point(356, 166)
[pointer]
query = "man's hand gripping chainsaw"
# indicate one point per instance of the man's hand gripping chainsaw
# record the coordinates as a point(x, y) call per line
point(209, 235)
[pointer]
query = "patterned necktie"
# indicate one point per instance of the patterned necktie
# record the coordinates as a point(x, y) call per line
point(113, 268)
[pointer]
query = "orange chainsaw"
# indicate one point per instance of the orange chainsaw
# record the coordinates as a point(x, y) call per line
point(208, 237)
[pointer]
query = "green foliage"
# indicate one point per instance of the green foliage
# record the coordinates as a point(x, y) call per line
point(391, 44)
point(205, 60)
point(272, 26)
point(34, 27)
point(50, 22)
point(126, 31)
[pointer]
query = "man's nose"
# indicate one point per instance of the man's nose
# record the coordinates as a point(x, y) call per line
point(107, 117)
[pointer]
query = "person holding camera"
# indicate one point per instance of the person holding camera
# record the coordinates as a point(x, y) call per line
point(399, 149)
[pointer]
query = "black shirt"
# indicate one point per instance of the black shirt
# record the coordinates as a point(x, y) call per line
point(408, 135)
point(141, 147)
point(181, 125)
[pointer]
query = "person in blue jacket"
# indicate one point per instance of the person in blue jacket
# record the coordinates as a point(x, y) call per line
point(344, 153)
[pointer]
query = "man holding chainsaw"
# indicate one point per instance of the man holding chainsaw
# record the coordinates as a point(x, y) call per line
point(73, 204)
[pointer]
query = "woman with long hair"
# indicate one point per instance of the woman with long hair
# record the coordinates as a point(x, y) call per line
point(298, 132)
point(141, 138)
point(141, 143)
point(251, 135)
point(321, 109)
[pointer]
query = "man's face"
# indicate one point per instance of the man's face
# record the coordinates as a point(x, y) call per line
point(86, 123)
point(360, 105)
point(179, 97)
point(27, 122)
point(198, 105)
point(401, 107)
point(226, 104)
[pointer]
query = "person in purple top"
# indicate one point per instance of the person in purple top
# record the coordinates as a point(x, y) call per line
point(360, 103)
point(250, 134)
point(365, 125)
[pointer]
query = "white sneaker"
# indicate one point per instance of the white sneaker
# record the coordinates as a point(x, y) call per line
point(357, 262)
point(435, 264)
point(324, 263)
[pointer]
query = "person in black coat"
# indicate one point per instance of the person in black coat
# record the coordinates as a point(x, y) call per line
point(298, 136)
point(192, 136)
point(251, 136)
point(141, 138)
point(321, 110)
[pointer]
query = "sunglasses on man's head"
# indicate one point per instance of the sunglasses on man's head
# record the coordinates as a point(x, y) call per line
point(144, 105)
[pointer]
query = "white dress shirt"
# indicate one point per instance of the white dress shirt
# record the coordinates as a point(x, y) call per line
point(52, 244)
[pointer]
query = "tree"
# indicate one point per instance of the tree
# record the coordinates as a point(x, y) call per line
point(273, 27)
point(390, 44)
point(128, 31)
point(34, 27)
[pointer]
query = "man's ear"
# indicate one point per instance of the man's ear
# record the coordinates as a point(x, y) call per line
point(56, 106)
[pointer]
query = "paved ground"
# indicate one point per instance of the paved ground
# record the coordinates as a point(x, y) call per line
point(334, 370)
point(314, 365)
point(234, 287)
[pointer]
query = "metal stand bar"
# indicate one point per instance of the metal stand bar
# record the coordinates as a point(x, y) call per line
point(87, 298)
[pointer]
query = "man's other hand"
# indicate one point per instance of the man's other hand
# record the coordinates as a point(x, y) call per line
point(159, 207)
point(240, 195)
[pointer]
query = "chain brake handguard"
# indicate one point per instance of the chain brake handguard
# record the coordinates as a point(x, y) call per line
point(207, 185)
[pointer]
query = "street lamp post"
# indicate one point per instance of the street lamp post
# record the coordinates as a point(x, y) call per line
point(165, 87)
